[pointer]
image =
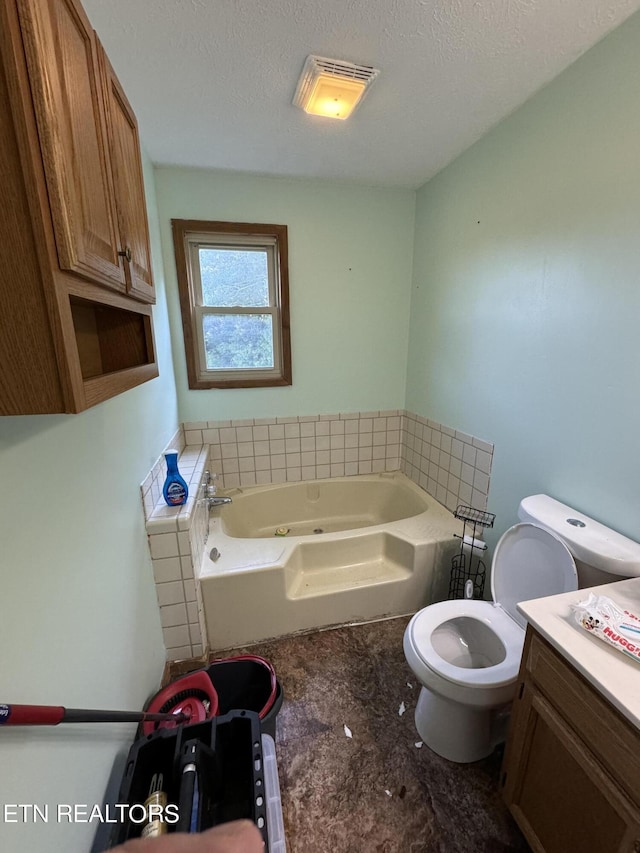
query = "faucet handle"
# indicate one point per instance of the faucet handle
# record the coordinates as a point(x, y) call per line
point(209, 486)
point(208, 477)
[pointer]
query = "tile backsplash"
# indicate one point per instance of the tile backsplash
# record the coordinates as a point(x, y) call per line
point(290, 449)
point(452, 466)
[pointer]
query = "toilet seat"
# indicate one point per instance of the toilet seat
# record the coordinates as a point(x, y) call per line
point(528, 563)
point(494, 617)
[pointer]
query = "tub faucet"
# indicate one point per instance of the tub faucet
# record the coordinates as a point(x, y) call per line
point(217, 500)
point(209, 492)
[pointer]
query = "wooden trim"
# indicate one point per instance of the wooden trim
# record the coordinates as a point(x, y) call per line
point(177, 668)
point(190, 226)
point(204, 384)
point(285, 323)
point(181, 229)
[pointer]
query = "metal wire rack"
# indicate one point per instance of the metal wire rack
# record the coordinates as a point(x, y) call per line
point(467, 565)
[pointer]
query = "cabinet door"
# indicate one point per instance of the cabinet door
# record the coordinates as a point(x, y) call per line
point(63, 71)
point(124, 144)
point(558, 793)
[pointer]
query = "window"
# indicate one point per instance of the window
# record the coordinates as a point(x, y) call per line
point(234, 296)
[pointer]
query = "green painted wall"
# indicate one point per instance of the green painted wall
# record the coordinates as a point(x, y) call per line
point(79, 624)
point(350, 271)
point(526, 296)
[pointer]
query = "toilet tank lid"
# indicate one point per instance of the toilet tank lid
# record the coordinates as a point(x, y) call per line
point(588, 540)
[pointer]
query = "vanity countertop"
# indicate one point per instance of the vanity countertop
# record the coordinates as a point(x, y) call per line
point(611, 672)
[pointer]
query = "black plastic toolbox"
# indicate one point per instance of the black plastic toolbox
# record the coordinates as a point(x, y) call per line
point(221, 760)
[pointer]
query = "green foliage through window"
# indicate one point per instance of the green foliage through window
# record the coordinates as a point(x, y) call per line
point(234, 277)
point(234, 341)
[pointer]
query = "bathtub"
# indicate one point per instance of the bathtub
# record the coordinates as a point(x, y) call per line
point(297, 557)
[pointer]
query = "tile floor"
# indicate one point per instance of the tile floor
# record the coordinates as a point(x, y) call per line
point(375, 792)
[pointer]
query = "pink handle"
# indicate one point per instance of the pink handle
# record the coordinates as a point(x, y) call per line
point(31, 715)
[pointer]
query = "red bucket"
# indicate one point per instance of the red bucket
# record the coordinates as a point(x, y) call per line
point(246, 682)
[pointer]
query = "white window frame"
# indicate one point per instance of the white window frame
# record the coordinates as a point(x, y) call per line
point(272, 239)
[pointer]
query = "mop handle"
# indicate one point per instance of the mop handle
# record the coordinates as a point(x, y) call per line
point(52, 715)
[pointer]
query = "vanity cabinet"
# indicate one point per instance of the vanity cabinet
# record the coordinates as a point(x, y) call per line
point(571, 775)
point(75, 262)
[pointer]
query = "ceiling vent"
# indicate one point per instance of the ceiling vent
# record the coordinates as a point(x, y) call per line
point(331, 87)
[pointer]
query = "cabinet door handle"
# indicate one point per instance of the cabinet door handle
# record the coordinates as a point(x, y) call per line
point(126, 254)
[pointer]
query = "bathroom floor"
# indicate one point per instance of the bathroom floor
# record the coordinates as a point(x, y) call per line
point(376, 790)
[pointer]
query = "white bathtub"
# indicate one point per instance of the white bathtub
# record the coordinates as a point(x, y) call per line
point(385, 550)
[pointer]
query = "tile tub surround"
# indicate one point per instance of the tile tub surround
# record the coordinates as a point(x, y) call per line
point(375, 791)
point(151, 487)
point(452, 466)
point(177, 536)
point(290, 449)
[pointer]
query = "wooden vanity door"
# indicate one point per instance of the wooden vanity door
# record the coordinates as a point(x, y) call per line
point(61, 56)
point(560, 796)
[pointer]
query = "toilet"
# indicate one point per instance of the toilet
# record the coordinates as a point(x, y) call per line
point(466, 653)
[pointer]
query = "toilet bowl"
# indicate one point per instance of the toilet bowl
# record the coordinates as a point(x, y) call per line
point(466, 653)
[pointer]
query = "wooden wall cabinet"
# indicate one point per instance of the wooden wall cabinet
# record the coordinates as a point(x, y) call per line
point(571, 775)
point(75, 262)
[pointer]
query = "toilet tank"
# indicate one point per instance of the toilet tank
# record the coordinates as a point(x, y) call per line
point(602, 555)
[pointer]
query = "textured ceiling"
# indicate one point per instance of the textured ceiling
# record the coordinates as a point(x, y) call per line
point(212, 80)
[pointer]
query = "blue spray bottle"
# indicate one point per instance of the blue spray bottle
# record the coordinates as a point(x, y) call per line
point(175, 490)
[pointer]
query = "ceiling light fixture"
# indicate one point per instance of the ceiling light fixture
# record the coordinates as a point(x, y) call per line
point(331, 87)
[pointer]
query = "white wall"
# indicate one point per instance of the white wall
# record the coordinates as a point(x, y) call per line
point(79, 624)
point(525, 302)
point(349, 281)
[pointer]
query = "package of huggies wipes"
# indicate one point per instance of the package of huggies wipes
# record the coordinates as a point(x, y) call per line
point(604, 619)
